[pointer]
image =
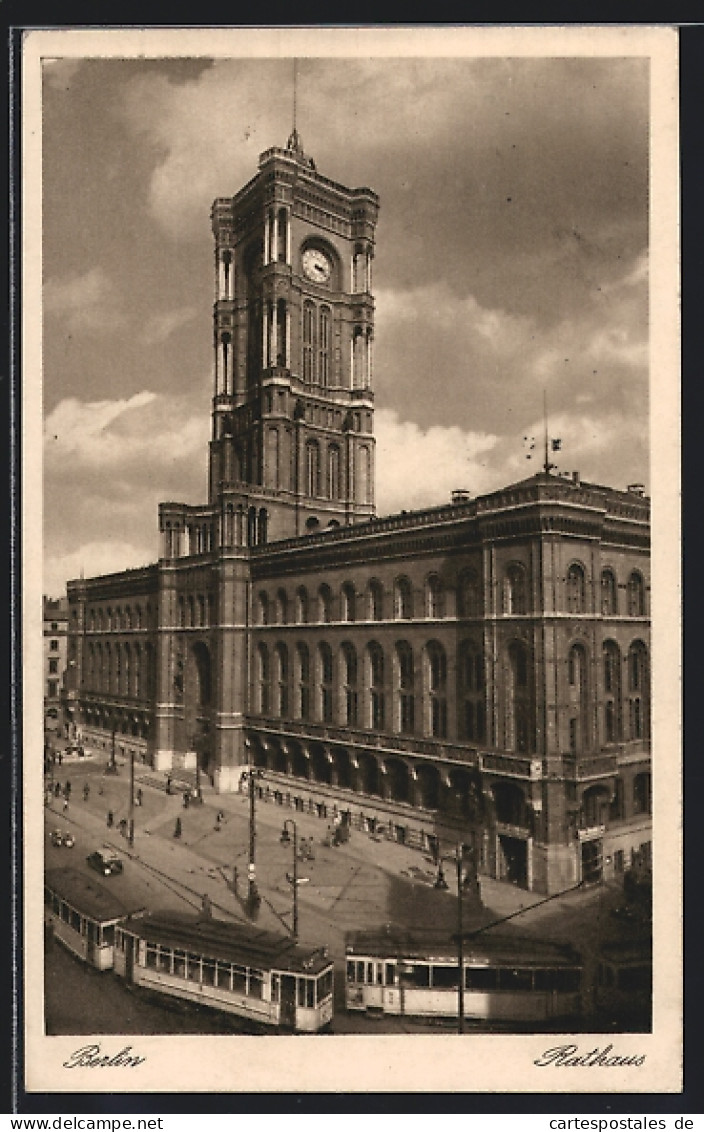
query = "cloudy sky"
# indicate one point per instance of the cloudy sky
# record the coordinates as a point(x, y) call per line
point(511, 258)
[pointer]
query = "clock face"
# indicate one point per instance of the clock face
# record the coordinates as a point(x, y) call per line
point(316, 265)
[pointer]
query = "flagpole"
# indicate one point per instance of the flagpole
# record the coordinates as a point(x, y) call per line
point(545, 420)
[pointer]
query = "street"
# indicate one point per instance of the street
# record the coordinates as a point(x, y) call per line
point(363, 883)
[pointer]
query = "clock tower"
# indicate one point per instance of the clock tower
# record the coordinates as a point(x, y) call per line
point(293, 407)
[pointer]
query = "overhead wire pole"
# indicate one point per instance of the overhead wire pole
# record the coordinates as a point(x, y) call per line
point(460, 944)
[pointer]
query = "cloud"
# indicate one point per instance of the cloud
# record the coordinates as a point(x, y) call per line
point(161, 326)
point(85, 301)
point(421, 467)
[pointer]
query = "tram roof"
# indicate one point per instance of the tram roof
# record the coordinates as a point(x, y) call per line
point(89, 896)
point(434, 945)
point(231, 942)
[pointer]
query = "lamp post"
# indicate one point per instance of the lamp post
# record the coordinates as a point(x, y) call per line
point(130, 826)
point(460, 944)
point(253, 893)
point(294, 876)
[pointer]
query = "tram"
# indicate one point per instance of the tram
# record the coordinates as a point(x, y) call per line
point(506, 979)
point(624, 984)
point(234, 968)
point(83, 915)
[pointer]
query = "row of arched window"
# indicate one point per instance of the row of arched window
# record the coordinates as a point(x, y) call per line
point(317, 334)
point(196, 610)
point(624, 693)
point(370, 605)
point(370, 689)
point(102, 619)
point(120, 669)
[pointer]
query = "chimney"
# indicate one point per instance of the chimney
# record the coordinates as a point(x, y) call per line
point(575, 479)
point(636, 489)
point(460, 495)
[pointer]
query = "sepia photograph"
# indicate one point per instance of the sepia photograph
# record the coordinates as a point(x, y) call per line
point(350, 401)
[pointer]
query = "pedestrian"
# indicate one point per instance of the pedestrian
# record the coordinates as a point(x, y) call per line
point(86, 792)
point(65, 804)
point(168, 784)
point(123, 827)
point(139, 796)
point(111, 819)
point(57, 790)
point(61, 758)
point(186, 799)
point(67, 789)
point(177, 828)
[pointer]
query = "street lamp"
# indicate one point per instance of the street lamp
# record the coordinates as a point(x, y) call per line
point(253, 897)
point(293, 878)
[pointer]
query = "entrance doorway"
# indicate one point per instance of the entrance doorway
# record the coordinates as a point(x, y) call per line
point(513, 860)
point(592, 861)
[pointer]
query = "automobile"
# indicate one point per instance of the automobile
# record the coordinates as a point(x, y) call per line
point(62, 837)
point(105, 861)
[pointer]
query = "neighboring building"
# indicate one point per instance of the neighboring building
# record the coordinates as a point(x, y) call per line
point(55, 628)
point(476, 672)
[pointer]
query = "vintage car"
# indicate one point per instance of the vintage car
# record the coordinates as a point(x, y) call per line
point(105, 860)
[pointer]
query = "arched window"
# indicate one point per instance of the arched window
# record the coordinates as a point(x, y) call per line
point(636, 595)
point(638, 691)
point(612, 692)
point(137, 672)
point(325, 678)
point(403, 599)
point(609, 594)
point(578, 721)
point(470, 680)
point(263, 677)
point(281, 657)
point(281, 607)
point(377, 699)
point(434, 597)
point(201, 609)
point(376, 600)
point(324, 347)
point(515, 590)
point(642, 793)
point(312, 467)
point(436, 675)
point(324, 604)
point(302, 605)
point(348, 602)
point(333, 476)
point(308, 340)
point(405, 688)
point(468, 594)
point(191, 611)
point(576, 589)
point(138, 616)
point(263, 608)
point(519, 715)
point(303, 680)
point(181, 612)
point(349, 683)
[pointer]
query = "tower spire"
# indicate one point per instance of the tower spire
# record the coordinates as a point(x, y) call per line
point(294, 142)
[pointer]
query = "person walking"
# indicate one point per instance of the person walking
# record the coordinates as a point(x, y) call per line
point(177, 828)
point(111, 819)
point(86, 792)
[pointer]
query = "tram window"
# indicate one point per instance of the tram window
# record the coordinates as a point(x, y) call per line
point(480, 978)
point(239, 979)
point(566, 979)
point(256, 984)
point(445, 976)
point(390, 979)
point(108, 934)
point(515, 979)
point(165, 958)
point(151, 955)
point(180, 964)
point(92, 931)
point(421, 975)
point(75, 921)
point(306, 992)
point(194, 968)
point(275, 981)
point(324, 985)
point(64, 913)
point(369, 973)
point(351, 971)
point(223, 976)
point(208, 976)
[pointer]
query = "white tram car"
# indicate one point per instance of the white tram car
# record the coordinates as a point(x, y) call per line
point(506, 979)
point(230, 967)
point(83, 915)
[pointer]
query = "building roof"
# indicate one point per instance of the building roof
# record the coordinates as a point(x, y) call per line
point(89, 896)
point(231, 942)
point(487, 950)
